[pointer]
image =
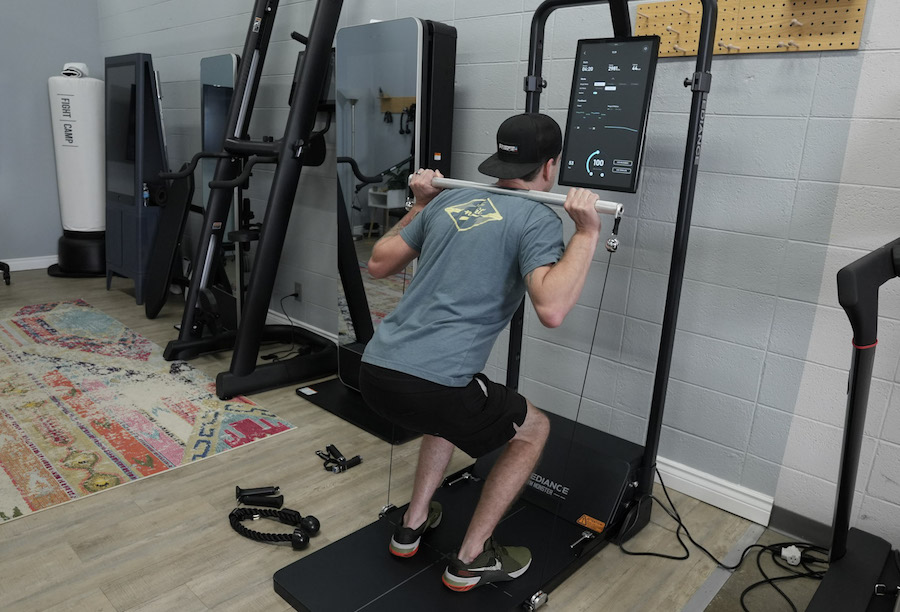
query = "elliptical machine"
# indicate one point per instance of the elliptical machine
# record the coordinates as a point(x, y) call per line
point(299, 146)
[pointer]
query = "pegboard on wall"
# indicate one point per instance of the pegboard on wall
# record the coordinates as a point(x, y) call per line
point(755, 26)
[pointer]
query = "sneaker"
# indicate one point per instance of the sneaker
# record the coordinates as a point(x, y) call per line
point(405, 541)
point(495, 564)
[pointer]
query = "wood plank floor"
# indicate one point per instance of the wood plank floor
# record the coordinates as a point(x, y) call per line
point(164, 543)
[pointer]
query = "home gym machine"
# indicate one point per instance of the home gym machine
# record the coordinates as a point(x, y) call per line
point(299, 146)
point(590, 488)
point(864, 572)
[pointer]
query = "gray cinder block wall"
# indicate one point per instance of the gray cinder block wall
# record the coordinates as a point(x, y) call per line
point(798, 178)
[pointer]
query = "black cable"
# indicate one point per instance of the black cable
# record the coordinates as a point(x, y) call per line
point(634, 512)
point(767, 580)
point(286, 353)
point(775, 551)
point(806, 558)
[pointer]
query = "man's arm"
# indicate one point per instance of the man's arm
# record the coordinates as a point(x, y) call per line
point(391, 254)
point(555, 289)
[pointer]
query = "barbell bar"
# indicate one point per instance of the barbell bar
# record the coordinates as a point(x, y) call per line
point(603, 207)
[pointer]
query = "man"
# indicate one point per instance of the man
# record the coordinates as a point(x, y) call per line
point(478, 255)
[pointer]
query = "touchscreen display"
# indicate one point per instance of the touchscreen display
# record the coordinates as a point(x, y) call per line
point(608, 110)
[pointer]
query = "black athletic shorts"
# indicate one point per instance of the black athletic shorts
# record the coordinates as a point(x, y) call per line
point(473, 418)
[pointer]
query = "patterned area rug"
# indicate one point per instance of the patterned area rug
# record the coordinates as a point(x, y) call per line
point(87, 404)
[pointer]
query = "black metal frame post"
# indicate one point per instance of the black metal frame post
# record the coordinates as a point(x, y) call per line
point(700, 86)
point(300, 123)
point(299, 146)
point(861, 365)
point(534, 84)
point(208, 254)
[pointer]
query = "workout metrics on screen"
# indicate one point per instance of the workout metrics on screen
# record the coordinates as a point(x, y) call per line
point(608, 109)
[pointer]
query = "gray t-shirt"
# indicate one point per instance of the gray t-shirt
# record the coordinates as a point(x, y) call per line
point(475, 248)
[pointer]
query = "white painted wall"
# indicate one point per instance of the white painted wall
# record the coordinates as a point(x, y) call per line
point(798, 177)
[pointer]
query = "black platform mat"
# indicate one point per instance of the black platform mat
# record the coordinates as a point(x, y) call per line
point(357, 573)
point(336, 398)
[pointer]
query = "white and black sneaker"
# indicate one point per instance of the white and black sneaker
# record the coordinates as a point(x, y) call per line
point(495, 564)
point(405, 541)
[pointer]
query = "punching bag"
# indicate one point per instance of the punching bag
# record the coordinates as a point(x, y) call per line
point(76, 110)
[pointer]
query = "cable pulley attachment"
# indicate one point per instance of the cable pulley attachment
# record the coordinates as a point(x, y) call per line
point(385, 509)
point(334, 460)
point(306, 526)
point(612, 245)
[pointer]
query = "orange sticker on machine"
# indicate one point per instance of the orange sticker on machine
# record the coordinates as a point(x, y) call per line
point(591, 523)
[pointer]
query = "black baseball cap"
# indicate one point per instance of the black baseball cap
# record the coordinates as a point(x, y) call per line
point(524, 142)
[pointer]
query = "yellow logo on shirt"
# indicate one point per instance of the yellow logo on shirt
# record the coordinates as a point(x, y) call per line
point(473, 213)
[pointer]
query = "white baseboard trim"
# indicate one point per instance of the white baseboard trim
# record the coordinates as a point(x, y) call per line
point(747, 503)
point(278, 318)
point(31, 263)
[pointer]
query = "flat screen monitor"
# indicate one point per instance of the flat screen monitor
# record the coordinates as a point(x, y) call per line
point(135, 142)
point(216, 101)
point(120, 129)
point(608, 109)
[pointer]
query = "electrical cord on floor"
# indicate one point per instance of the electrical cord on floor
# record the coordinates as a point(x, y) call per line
point(807, 560)
point(286, 353)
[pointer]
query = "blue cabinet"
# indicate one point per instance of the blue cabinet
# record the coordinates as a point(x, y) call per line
point(135, 155)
